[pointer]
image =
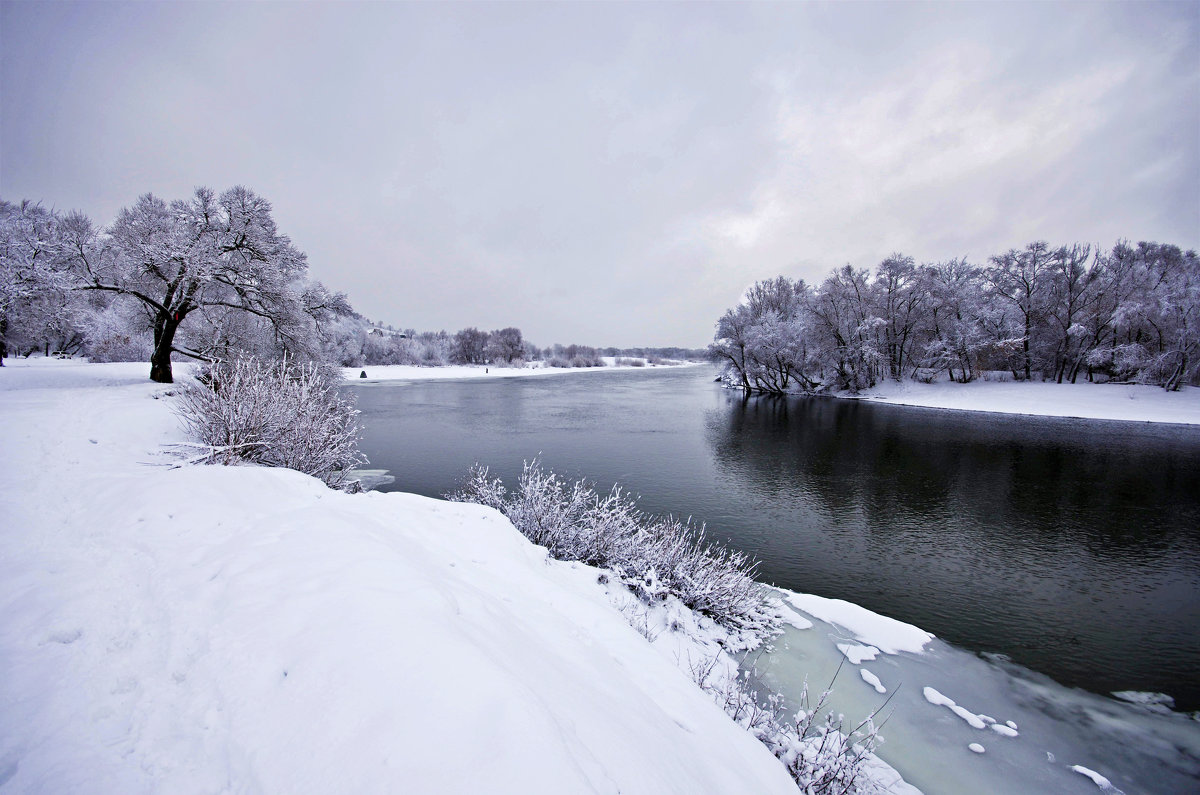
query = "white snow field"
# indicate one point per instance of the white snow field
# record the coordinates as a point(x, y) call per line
point(1133, 402)
point(215, 629)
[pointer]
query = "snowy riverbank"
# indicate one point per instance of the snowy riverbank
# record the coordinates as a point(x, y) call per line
point(206, 628)
point(406, 372)
point(1129, 402)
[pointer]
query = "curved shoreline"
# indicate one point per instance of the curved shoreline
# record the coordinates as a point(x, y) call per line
point(1114, 402)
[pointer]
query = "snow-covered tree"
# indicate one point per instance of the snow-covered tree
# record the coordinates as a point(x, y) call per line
point(1071, 295)
point(505, 345)
point(903, 298)
point(1019, 277)
point(470, 347)
point(221, 255)
point(763, 343)
point(730, 346)
point(847, 329)
point(1158, 325)
point(37, 311)
point(1133, 314)
point(956, 323)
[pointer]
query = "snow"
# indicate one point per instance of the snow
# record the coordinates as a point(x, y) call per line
point(1157, 702)
point(871, 629)
point(214, 628)
point(938, 700)
point(1131, 402)
point(1099, 780)
point(856, 652)
point(405, 372)
point(872, 680)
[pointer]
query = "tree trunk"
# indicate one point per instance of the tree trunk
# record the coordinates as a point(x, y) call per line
point(164, 337)
point(1028, 375)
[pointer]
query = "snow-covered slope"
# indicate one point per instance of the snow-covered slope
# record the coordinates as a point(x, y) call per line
point(209, 629)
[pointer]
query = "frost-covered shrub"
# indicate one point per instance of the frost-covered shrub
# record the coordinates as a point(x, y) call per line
point(625, 361)
point(814, 745)
point(275, 413)
point(654, 556)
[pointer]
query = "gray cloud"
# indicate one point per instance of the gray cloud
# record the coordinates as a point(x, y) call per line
point(614, 174)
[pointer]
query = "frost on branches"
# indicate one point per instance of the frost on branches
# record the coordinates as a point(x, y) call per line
point(219, 259)
point(274, 413)
point(1041, 313)
point(654, 556)
point(821, 755)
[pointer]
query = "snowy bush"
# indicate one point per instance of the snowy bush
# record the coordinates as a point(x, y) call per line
point(821, 756)
point(275, 413)
point(654, 556)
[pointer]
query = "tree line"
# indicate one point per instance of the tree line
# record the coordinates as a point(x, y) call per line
point(1128, 314)
point(211, 278)
point(354, 341)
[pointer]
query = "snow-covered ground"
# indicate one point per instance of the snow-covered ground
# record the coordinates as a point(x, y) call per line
point(406, 372)
point(211, 629)
point(1090, 401)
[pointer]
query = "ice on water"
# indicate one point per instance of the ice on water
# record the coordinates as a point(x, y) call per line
point(961, 722)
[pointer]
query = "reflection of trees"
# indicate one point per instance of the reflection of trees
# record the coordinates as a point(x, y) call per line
point(1063, 543)
point(1020, 482)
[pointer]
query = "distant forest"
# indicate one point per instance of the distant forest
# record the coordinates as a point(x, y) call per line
point(1037, 313)
point(357, 342)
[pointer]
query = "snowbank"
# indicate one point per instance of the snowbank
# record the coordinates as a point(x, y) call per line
point(1089, 401)
point(874, 631)
point(235, 628)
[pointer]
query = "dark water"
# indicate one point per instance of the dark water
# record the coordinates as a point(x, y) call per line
point(1071, 546)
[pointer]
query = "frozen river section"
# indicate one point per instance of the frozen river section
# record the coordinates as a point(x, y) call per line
point(955, 722)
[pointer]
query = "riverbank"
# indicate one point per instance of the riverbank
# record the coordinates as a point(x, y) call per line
point(208, 627)
point(406, 372)
point(1127, 402)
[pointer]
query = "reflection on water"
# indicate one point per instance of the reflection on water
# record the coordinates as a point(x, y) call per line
point(1071, 546)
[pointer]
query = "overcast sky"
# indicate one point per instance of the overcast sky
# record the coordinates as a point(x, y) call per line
point(614, 174)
